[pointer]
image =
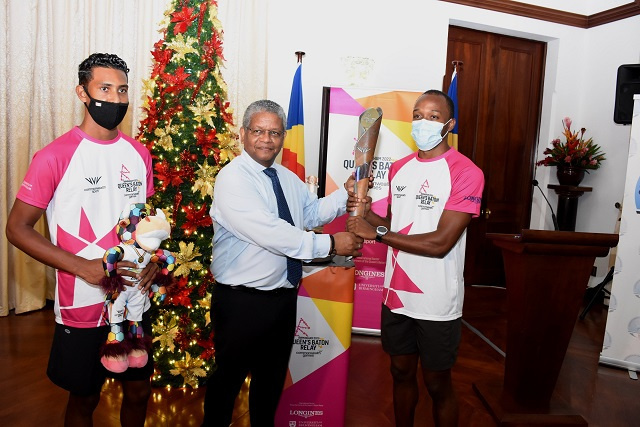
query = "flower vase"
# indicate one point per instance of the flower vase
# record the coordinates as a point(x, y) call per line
point(569, 175)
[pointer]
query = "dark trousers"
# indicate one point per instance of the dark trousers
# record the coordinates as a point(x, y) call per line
point(253, 332)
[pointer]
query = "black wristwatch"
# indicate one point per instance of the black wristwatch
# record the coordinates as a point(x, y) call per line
point(381, 230)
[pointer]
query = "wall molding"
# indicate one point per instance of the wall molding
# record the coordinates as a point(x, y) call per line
point(554, 15)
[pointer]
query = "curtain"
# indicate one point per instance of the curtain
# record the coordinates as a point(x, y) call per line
point(43, 41)
point(245, 51)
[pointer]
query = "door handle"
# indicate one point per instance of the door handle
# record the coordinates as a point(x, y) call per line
point(487, 213)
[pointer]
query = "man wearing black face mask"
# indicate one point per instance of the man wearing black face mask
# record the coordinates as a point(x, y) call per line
point(106, 114)
point(82, 180)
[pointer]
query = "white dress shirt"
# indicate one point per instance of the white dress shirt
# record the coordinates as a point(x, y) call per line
point(250, 241)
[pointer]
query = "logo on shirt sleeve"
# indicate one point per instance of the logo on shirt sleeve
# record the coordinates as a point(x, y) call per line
point(474, 199)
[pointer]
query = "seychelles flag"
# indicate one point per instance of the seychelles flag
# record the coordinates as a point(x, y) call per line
point(453, 94)
point(293, 149)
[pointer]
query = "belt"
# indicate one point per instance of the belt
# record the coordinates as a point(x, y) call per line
point(250, 290)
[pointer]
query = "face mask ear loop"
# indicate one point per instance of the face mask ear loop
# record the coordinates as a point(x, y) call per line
point(86, 92)
point(447, 132)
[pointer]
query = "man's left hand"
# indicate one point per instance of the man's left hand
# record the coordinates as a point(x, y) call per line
point(350, 184)
point(147, 277)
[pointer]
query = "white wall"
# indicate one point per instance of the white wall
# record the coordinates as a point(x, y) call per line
point(406, 41)
point(609, 47)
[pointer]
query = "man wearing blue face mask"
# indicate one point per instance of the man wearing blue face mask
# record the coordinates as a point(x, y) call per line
point(82, 180)
point(433, 194)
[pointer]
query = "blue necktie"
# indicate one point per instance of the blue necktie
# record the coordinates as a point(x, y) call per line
point(294, 266)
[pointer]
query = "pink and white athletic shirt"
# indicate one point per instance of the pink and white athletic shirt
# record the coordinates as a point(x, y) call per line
point(84, 184)
point(420, 190)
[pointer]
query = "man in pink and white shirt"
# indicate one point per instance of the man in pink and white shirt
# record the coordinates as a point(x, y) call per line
point(433, 194)
point(82, 180)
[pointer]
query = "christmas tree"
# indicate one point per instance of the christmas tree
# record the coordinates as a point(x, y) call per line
point(188, 127)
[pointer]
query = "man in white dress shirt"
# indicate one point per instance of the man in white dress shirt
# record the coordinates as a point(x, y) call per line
point(255, 250)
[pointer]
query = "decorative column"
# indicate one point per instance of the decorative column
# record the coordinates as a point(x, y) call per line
point(568, 196)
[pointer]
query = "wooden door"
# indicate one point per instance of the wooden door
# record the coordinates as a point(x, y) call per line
point(499, 99)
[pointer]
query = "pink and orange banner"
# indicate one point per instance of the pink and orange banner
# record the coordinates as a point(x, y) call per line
point(315, 389)
point(394, 142)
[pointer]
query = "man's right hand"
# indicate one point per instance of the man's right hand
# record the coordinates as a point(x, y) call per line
point(348, 244)
point(91, 270)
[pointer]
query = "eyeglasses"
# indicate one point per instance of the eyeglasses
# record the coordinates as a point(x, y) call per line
point(259, 132)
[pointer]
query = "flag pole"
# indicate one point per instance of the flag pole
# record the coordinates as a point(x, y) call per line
point(299, 54)
point(452, 138)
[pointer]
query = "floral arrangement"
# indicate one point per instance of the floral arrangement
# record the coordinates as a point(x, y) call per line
point(575, 152)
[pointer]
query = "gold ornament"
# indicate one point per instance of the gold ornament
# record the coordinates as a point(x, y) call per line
point(213, 18)
point(148, 86)
point(205, 303)
point(204, 110)
point(184, 259)
point(164, 22)
point(229, 140)
point(220, 81)
point(165, 140)
point(182, 46)
point(229, 147)
point(190, 369)
point(168, 213)
point(165, 331)
point(226, 155)
point(206, 179)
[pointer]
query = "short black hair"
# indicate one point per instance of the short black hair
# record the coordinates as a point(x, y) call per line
point(446, 98)
point(106, 60)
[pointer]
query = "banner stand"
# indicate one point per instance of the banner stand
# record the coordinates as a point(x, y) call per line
point(315, 391)
point(341, 109)
point(621, 344)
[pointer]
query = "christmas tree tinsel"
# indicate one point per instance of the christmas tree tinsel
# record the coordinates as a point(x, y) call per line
point(188, 127)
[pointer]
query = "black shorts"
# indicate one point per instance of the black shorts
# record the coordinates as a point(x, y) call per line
point(436, 342)
point(74, 361)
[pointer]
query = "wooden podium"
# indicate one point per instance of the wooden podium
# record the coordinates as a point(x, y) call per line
point(546, 276)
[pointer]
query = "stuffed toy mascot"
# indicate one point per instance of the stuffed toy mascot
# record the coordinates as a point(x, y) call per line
point(141, 230)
